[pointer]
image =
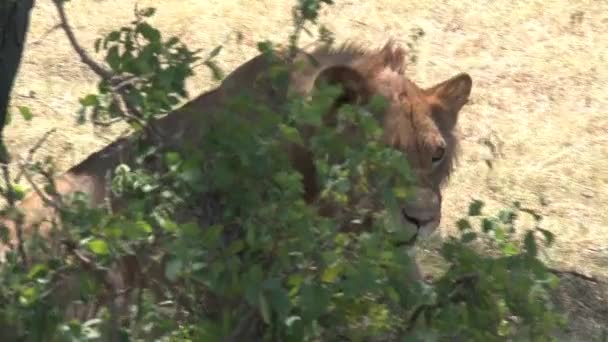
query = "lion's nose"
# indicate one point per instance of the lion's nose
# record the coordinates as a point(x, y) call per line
point(418, 218)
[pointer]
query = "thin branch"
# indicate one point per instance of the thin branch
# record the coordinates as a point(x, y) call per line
point(45, 34)
point(33, 150)
point(106, 123)
point(130, 80)
point(54, 203)
point(574, 274)
point(120, 83)
point(84, 57)
point(10, 197)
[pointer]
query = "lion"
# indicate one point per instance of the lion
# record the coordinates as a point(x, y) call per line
point(419, 122)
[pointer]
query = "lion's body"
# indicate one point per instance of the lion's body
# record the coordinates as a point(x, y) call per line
point(418, 122)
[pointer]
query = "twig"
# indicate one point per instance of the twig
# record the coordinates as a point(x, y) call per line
point(10, 197)
point(54, 203)
point(45, 34)
point(126, 81)
point(33, 150)
point(106, 123)
point(84, 57)
point(117, 82)
point(574, 274)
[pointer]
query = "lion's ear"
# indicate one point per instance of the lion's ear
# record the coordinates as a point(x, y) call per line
point(355, 88)
point(448, 97)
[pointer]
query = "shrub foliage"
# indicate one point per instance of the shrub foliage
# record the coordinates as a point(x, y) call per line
point(243, 256)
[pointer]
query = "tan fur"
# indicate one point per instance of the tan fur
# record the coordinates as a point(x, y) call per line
point(417, 122)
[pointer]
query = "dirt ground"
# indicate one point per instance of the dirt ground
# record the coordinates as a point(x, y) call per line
point(540, 97)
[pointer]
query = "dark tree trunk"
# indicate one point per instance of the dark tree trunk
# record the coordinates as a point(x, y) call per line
point(14, 23)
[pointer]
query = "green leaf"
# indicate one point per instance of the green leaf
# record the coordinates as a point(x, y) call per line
point(113, 36)
point(549, 237)
point(89, 100)
point(314, 300)
point(147, 12)
point(401, 192)
point(37, 271)
point(173, 269)
point(135, 230)
point(5, 234)
point(216, 71)
point(148, 32)
point(468, 237)
point(26, 113)
point(510, 249)
point(488, 225)
point(530, 244)
point(463, 224)
point(507, 216)
point(252, 281)
point(475, 208)
point(552, 281)
point(99, 247)
point(19, 191)
point(172, 158)
point(171, 41)
point(291, 133)
point(113, 58)
point(331, 273)
point(215, 52)
point(377, 104)
point(97, 44)
point(279, 300)
point(236, 247)
point(28, 295)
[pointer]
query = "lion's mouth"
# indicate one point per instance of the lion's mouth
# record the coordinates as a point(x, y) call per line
point(410, 242)
point(417, 221)
point(420, 229)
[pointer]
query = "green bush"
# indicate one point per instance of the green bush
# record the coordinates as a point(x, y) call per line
point(243, 255)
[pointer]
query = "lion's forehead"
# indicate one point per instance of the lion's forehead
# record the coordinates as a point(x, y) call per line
point(404, 134)
point(408, 123)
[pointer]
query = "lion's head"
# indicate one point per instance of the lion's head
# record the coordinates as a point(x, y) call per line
point(418, 122)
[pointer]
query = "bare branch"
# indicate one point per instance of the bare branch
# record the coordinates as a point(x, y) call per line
point(84, 57)
point(106, 123)
point(33, 150)
point(574, 274)
point(120, 83)
point(54, 203)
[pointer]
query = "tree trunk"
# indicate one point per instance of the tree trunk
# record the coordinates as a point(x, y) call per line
point(14, 23)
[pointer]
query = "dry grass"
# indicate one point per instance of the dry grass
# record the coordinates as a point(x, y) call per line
point(540, 71)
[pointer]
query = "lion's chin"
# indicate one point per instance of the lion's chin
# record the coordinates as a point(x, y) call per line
point(426, 230)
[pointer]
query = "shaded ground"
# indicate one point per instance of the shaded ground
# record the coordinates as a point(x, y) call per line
point(540, 99)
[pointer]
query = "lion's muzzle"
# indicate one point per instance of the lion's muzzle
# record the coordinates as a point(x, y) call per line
point(423, 210)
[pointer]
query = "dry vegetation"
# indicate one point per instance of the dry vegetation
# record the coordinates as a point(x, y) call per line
point(538, 114)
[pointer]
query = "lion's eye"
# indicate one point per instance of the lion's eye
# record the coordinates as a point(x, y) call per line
point(438, 155)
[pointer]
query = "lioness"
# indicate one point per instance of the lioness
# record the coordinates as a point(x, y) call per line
point(419, 122)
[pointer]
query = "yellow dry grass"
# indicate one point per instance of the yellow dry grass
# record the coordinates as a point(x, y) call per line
point(540, 71)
